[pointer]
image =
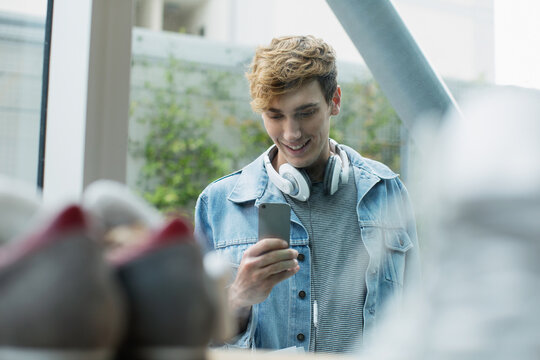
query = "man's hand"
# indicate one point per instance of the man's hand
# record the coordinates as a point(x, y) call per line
point(263, 265)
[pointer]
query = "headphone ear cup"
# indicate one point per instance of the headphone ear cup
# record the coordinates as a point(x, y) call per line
point(332, 174)
point(299, 178)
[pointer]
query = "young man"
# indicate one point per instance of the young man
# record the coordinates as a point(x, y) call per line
point(353, 237)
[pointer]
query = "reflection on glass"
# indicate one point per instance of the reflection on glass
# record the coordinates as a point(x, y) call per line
point(22, 32)
point(191, 121)
point(481, 267)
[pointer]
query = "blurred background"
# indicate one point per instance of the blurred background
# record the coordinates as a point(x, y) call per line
point(152, 93)
point(189, 116)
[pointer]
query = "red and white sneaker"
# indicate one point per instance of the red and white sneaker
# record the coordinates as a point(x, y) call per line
point(59, 298)
point(176, 304)
point(172, 307)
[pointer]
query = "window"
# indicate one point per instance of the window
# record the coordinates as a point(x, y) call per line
point(189, 95)
point(23, 29)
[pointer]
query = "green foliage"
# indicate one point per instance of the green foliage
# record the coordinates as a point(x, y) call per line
point(199, 126)
point(179, 156)
point(368, 123)
point(253, 137)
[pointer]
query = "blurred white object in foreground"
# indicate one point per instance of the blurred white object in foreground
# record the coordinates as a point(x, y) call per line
point(482, 273)
point(19, 204)
point(115, 204)
point(219, 271)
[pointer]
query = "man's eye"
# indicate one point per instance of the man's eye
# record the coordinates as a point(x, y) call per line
point(306, 113)
point(276, 117)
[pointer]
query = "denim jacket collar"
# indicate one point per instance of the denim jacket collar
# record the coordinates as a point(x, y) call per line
point(253, 182)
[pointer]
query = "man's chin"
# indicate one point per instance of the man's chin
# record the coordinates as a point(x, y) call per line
point(299, 164)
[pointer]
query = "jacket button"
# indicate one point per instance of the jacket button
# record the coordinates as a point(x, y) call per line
point(301, 257)
point(300, 337)
point(302, 294)
point(371, 310)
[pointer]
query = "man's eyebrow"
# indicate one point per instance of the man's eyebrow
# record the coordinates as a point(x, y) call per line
point(298, 109)
point(306, 106)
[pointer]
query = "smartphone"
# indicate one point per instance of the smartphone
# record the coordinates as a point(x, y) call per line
point(275, 221)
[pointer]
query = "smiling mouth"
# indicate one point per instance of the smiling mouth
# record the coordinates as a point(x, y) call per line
point(297, 147)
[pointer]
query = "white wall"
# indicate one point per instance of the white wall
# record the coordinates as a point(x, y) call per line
point(517, 31)
point(27, 7)
point(457, 36)
point(248, 22)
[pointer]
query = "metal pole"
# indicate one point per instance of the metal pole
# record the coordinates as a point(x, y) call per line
point(393, 57)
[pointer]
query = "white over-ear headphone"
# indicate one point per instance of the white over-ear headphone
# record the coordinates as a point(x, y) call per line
point(296, 183)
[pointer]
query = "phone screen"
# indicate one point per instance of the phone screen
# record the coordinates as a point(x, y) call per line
point(275, 221)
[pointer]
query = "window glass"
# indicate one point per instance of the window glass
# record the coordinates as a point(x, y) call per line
point(191, 121)
point(22, 34)
point(189, 95)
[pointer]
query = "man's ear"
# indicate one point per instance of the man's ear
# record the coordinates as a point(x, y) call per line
point(336, 101)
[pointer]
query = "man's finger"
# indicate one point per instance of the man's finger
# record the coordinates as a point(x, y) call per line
point(279, 277)
point(276, 256)
point(280, 267)
point(266, 245)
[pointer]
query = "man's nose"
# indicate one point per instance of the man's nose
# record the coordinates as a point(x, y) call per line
point(291, 130)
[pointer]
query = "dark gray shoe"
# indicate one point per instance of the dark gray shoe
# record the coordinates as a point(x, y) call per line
point(58, 299)
point(171, 309)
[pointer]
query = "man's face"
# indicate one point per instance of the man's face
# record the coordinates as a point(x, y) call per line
point(299, 124)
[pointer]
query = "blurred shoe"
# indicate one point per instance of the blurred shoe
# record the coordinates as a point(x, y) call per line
point(171, 308)
point(114, 204)
point(19, 203)
point(120, 217)
point(59, 299)
point(177, 303)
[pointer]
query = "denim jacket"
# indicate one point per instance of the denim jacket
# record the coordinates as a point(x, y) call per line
point(226, 219)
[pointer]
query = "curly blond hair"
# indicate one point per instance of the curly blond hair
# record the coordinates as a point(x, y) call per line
point(287, 64)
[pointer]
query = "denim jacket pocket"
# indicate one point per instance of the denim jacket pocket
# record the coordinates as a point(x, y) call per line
point(234, 253)
point(396, 242)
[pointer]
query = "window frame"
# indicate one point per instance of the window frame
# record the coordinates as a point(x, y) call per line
point(87, 107)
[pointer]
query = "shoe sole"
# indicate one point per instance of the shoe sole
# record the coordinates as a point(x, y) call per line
point(11, 353)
